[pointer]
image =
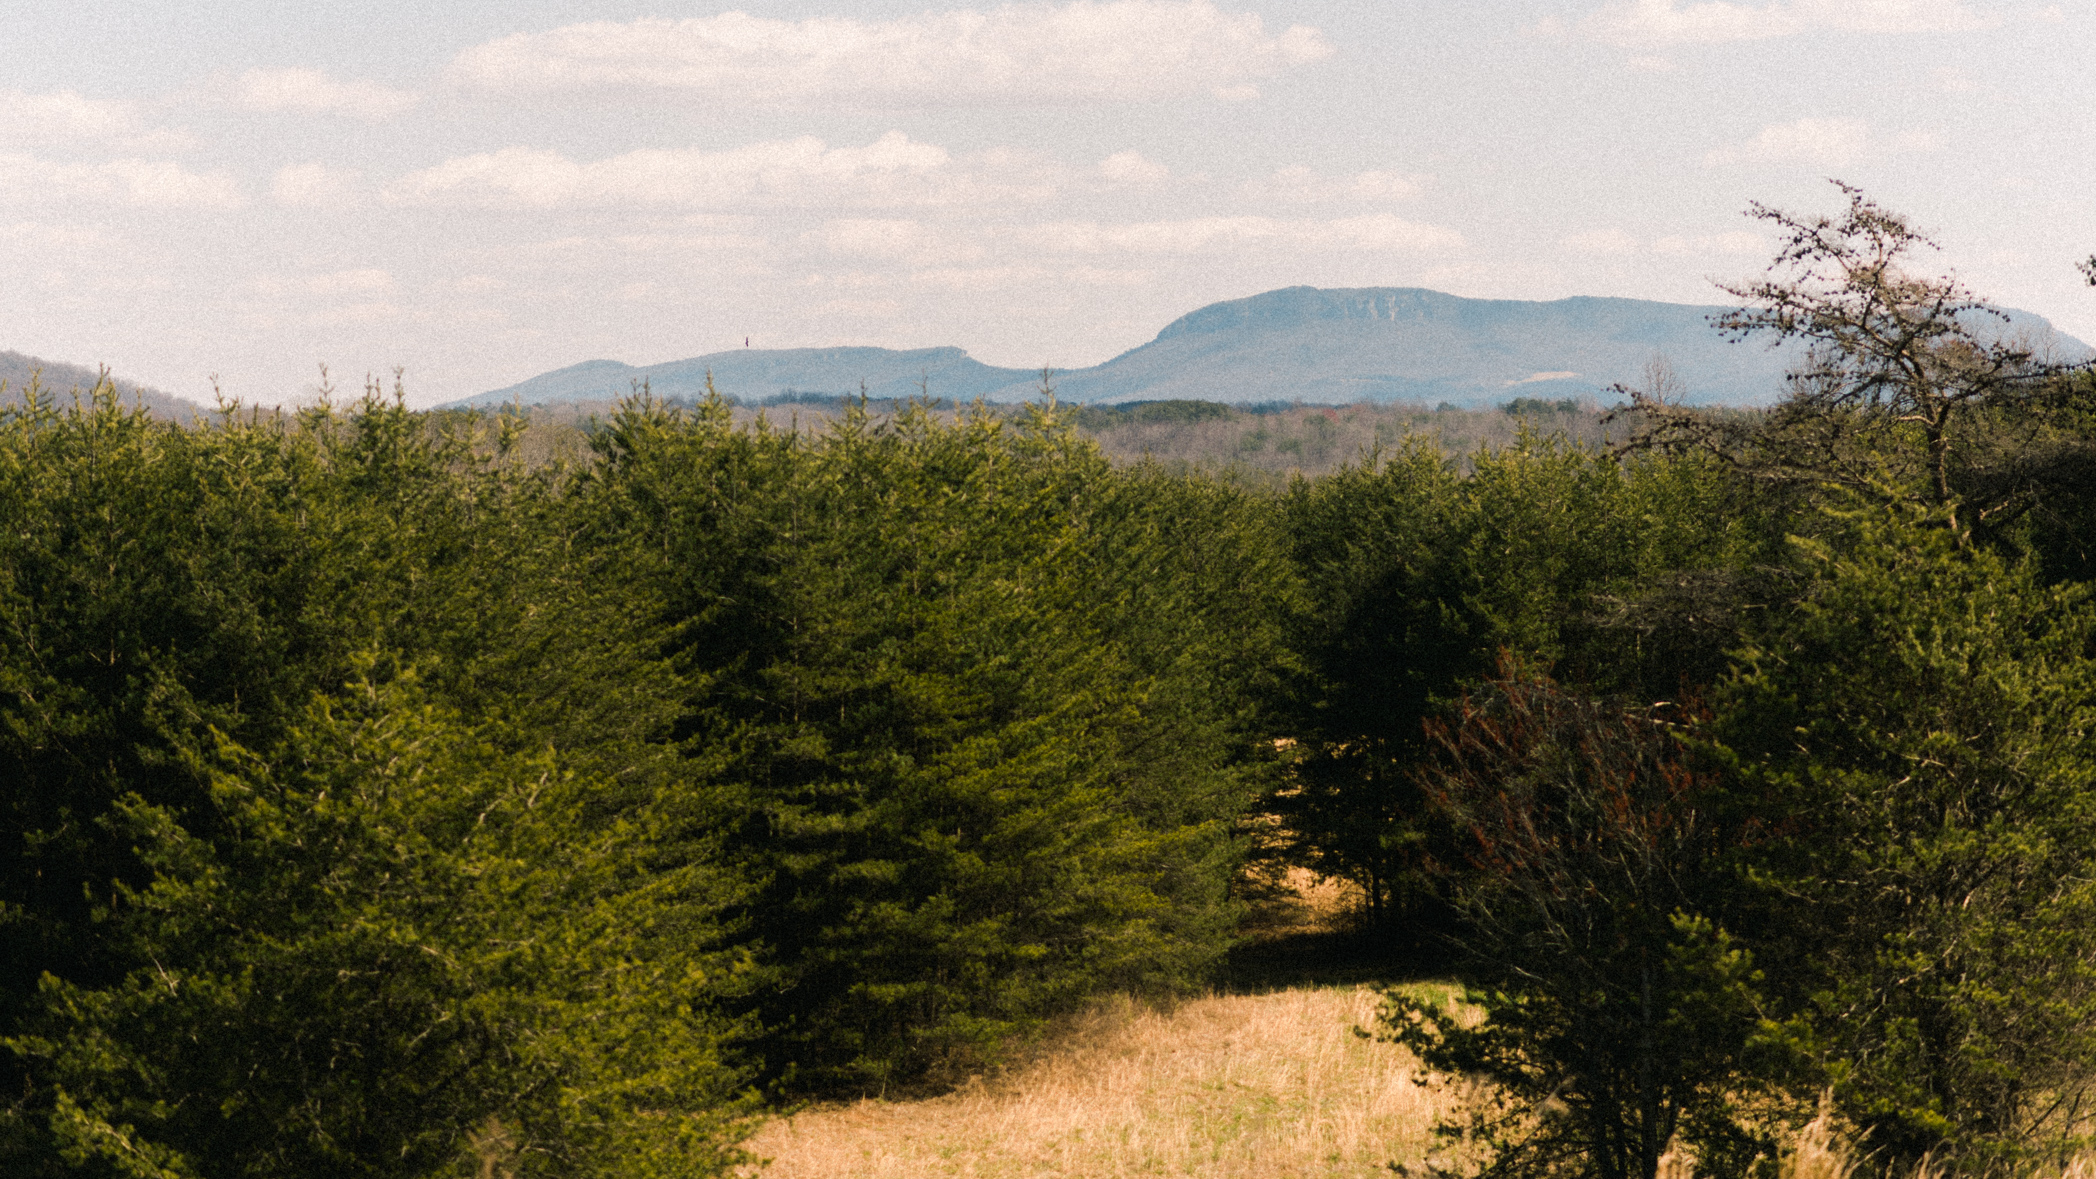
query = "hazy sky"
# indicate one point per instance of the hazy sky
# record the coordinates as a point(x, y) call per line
point(482, 192)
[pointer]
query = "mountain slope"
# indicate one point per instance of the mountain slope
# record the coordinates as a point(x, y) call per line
point(1295, 344)
point(1383, 344)
point(62, 380)
point(757, 373)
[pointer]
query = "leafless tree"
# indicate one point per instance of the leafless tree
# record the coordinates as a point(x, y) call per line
point(1912, 389)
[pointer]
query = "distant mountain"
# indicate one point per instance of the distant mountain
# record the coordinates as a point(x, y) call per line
point(752, 374)
point(60, 380)
point(1296, 344)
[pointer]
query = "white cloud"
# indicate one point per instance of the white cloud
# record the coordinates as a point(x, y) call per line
point(339, 284)
point(1616, 243)
point(1955, 80)
point(1300, 185)
point(317, 92)
point(1082, 51)
point(1380, 231)
point(1647, 23)
point(1823, 142)
point(1131, 170)
point(315, 186)
point(860, 308)
point(67, 118)
point(1602, 242)
point(885, 239)
point(63, 237)
point(588, 254)
point(147, 184)
point(1735, 244)
point(892, 171)
point(866, 237)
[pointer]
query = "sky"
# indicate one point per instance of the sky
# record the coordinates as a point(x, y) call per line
point(232, 194)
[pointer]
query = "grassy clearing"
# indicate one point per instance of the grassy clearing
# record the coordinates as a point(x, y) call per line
point(1232, 1086)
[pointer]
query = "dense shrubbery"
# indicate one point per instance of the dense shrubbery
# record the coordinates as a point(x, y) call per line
point(376, 799)
point(977, 712)
point(1861, 866)
point(371, 795)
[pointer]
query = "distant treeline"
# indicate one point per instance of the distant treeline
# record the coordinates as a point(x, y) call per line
point(384, 797)
point(1262, 443)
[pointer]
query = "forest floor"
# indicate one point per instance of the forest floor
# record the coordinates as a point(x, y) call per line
point(1266, 1081)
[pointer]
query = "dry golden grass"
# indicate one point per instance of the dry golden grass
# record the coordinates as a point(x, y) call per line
point(1287, 900)
point(1231, 1087)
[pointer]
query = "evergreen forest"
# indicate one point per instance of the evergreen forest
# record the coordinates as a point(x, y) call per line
point(382, 796)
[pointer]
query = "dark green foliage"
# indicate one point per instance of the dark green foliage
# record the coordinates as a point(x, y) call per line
point(397, 937)
point(1103, 417)
point(1617, 1017)
point(1539, 405)
point(375, 804)
point(1894, 904)
point(1420, 576)
point(1920, 731)
point(982, 705)
point(293, 882)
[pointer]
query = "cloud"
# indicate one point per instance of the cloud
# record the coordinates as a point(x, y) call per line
point(61, 237)
point(67, 118)
point(1824, 142)
point(1083, 51)
point(1615, 243)
point(913, 242)
point(1602, 243)
point(1649, 23)
point(1195, 235)
point(1302, 186)
point(1734, 244)
point(315, 186)
point(339, 284)
point(145, 184)
point(894, 170)
point(1955, 80)
point(316, 92)
point(1129, 169)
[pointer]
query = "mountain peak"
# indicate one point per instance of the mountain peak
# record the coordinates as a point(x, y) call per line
point(1301, 343)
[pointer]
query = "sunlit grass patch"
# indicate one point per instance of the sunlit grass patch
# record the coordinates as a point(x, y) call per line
point(1243, 1086)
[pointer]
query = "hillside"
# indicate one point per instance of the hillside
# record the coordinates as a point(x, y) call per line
point(1331, 347)
point(17, 370)
point(753, 374)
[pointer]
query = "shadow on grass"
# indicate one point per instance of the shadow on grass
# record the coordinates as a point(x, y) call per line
point(1330, 958)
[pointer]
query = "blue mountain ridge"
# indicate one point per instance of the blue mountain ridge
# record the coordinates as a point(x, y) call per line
point(1295, 344)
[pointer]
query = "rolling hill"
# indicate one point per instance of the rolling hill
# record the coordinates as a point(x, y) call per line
point(62, 380)
point(1296, 344)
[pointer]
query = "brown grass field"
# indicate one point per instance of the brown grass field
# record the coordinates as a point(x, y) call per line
point(1267, 1086)
point(1271, 1085)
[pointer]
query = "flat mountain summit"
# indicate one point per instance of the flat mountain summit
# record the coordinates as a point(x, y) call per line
point(1295, 344)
